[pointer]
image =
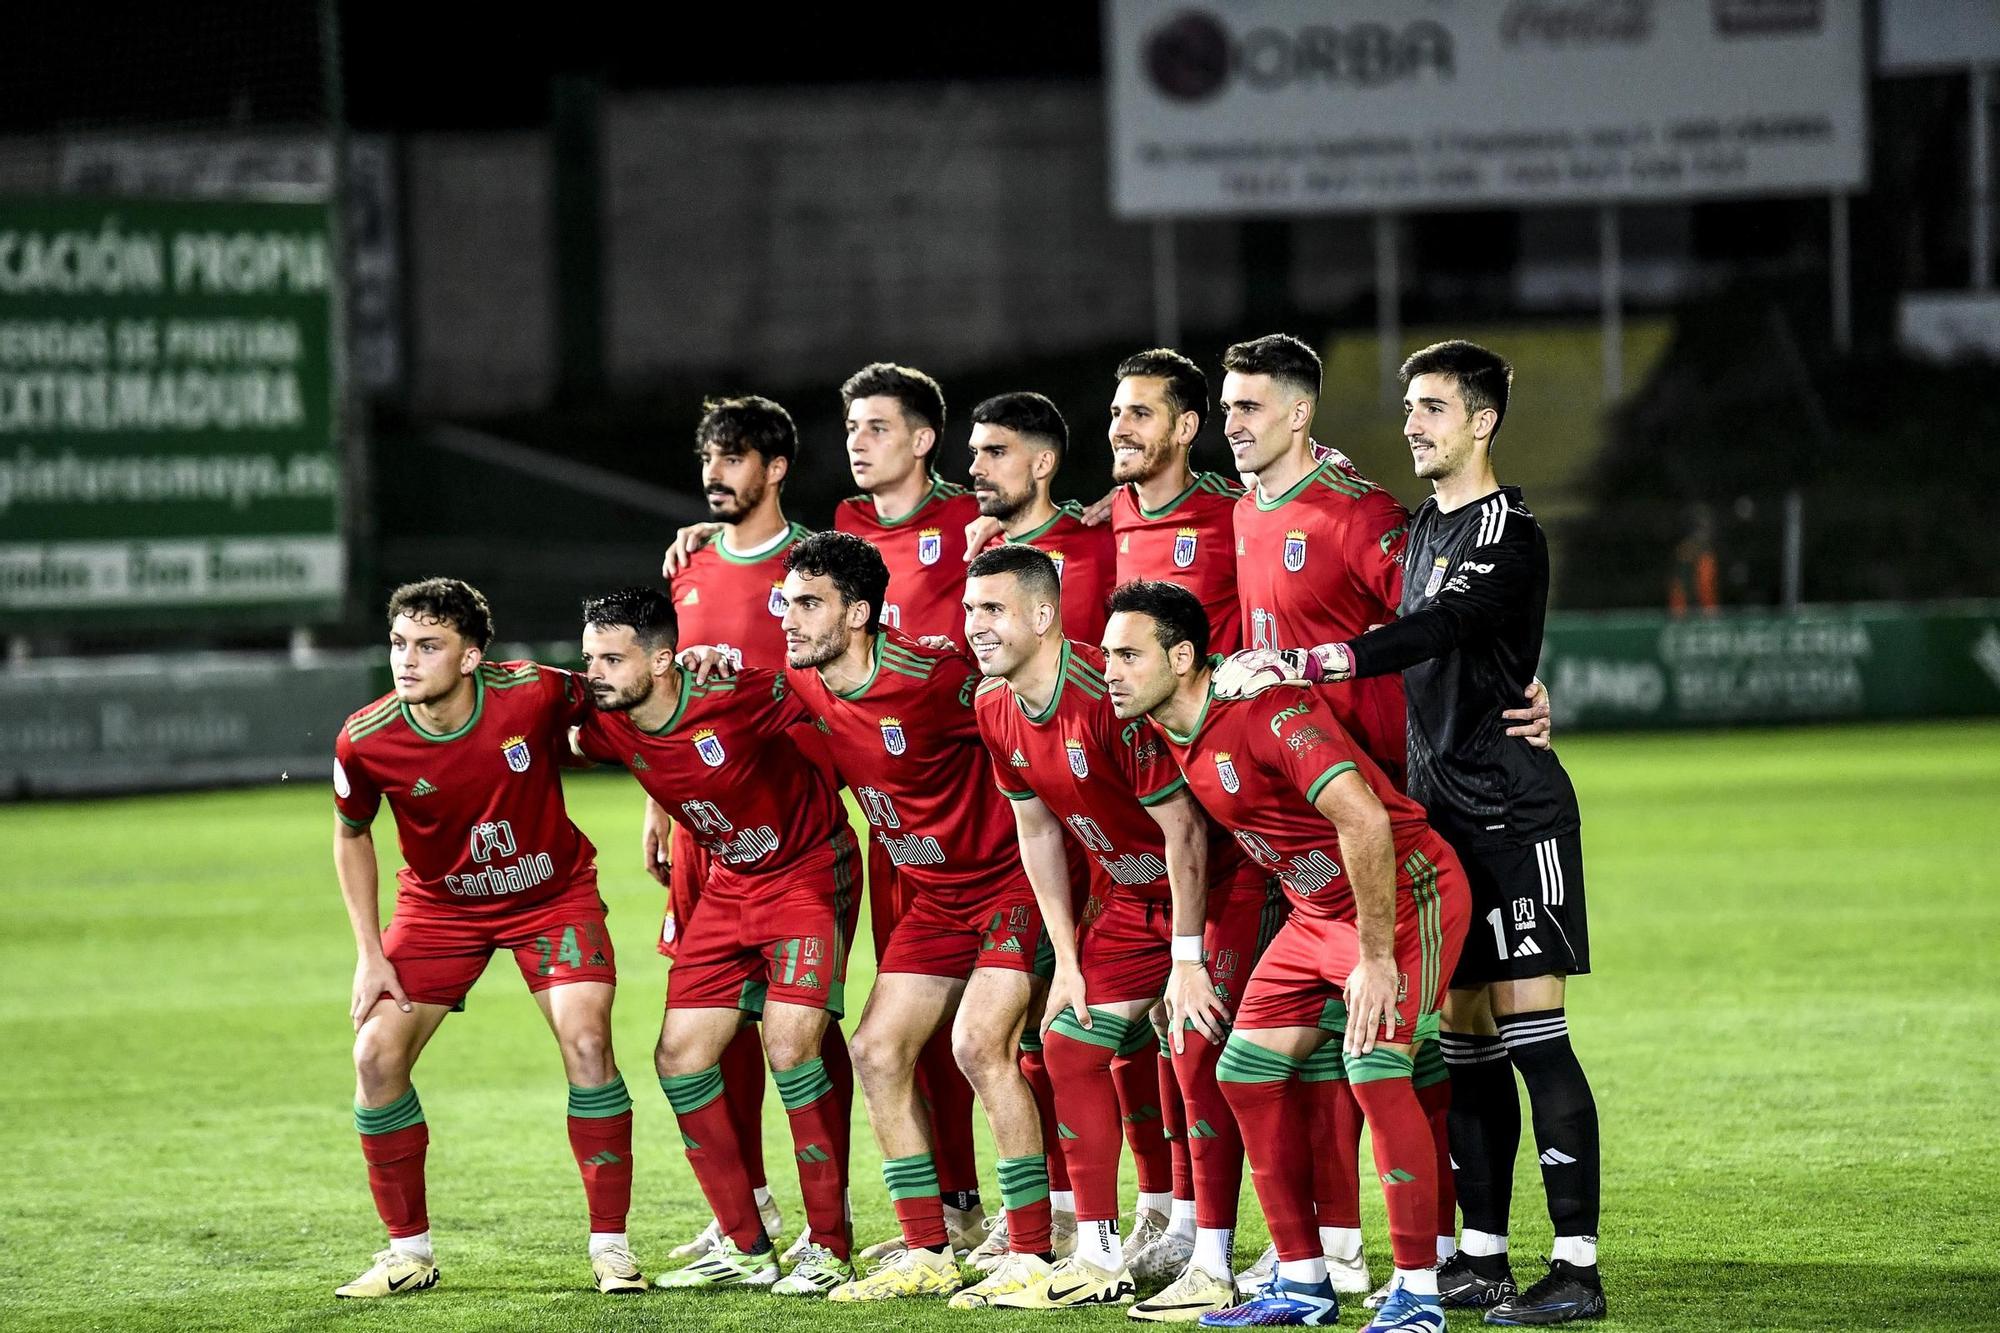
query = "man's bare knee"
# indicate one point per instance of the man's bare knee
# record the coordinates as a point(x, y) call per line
point(587, 1056)
point(881, 1059)
point(381, 1063)
point(983, 1054)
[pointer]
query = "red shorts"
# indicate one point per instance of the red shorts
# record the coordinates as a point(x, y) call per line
point(1126, 949)
point(687, 871)
point(784, 941)
point(1299, 980)
point(949, 938)
point(888, 898)
point(439, 954)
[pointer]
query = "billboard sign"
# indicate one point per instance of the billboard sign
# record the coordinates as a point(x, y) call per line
point(1223, 107)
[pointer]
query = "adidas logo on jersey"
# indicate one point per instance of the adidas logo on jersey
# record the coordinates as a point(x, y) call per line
point(423, 787)
point(1527, 949)
point(1018, 760)
point(639, 764)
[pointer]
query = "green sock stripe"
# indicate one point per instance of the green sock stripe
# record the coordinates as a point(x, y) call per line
point(1429, 1067)
point(1246, 1062)
point(802, 1085)
point(405, 1111)
point(1140, 1033)
point(1166, 1046)
point(1023, 1180)
point(601, 1102)
point(1106, 1031)
point(910, 1177)
point(1324, 1065)
point(688, 1093)
point(1378, 1064)
point(1031, 1040)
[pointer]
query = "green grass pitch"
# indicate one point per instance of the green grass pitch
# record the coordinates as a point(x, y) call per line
point(1790, 1032)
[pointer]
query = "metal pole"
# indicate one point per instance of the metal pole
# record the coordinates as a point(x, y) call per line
point(1388, 308)
point(1611, 292)
point(1166, 286)
point(1841, 265)
point(357, 522)
point(1982, 177)
point(1794, 556)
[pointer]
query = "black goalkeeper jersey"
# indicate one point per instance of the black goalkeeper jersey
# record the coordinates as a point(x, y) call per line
point(1469, 633)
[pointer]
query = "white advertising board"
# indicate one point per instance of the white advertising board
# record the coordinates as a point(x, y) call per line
point(1223, 107)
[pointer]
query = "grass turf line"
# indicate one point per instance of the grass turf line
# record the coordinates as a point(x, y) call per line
point(1788, 1033)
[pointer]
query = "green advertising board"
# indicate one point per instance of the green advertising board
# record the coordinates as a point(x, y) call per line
point(1625, 669)
point(168, 443)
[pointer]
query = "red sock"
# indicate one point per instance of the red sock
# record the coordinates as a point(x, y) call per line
point(1085, 1134)
point(1436, 1101)
point(1173, 1126)
point(600, 1134)
point(1404, 1155)
point(1214, 1144)
point(396, 1177)
point(840, 1068)
point(1336, 1128)
point(944, 1087)
point(1035, 1069)
point(810, 1107)
point(1024, 1193)
point(1271, 1106)
point(708, 1131)
point(1138, 1079)
point(743, 1089)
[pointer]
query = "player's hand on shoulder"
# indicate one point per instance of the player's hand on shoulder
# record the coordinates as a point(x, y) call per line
point(940, 642)
point(374, 978)
point(686, 542)
point(706, 662)
point(1192, 1002)
point(981, 533)
point(1533, 723)
point(1247, 674)
point(1099, 511)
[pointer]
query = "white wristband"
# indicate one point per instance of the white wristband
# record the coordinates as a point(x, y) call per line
point(1187, 948)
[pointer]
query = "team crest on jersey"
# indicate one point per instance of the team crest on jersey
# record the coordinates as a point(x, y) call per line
point(1057, 558)
point(1438, 568)
point(1295, 550)
point(709, 747)
point(515, 748)
point(893, 739)
point(776, 604)
point(1226, 770)
point(1079, 763)
point(930, 545)
point(1184, 544)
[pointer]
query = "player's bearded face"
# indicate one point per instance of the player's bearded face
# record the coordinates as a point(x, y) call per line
point(617, 667)
point(1137, 673)
point(1142, 430)
point(427, 660)
point(815, 622)
point(734, 484)
point(1002, 472)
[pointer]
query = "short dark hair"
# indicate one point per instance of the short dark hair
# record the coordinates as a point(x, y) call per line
point(1029, 414)
point(1282, 357)
point(452, 602)
point(1177, 614)
point(1187, 387)
point(737, 425)
point(1484, 377)
point(917, 393)
point(1031, 566)
point(855, 567)
point(648, 612)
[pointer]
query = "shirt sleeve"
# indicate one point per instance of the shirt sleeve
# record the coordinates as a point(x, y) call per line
point(356, 798)
point(1154, 774)
point(595, 744)
point(1485, 590)
point(953, 686)
point(1300, 738)
point(1374, 554)
point(787, 709)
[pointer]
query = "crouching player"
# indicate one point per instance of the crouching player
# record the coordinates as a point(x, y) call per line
point(772, 932)
point(468, 755)
point(1379, 909)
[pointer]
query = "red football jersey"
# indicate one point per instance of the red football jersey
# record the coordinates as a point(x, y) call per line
point(735, 602)
point(479, 813)
point(726, 768)
point(1086, 565)
point(1190, 541)
point(925, 552)
point(905, 741)
point(1319, 564)
point(1257, 764)
point(1097, 775)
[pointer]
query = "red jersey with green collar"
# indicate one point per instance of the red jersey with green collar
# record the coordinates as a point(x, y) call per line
point(1098, 775)
point(725, 767)
point(1257, 765)
point(925, 552)
point(1319, 563)
point(905, 741)
point(1191, 540)
point(1085, 562)
point(735, 602)
point(479, 812)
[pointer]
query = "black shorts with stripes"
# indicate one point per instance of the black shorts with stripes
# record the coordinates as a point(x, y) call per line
point(1528, 917)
